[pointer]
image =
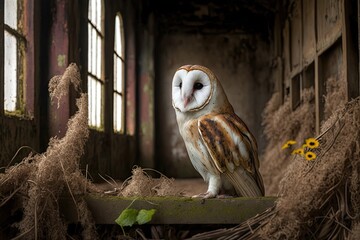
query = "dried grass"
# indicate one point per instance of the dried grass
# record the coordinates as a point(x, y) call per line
point(42, 178)
point(335, 97)
point(59, 85)
point(280, 125)
point(140, 184)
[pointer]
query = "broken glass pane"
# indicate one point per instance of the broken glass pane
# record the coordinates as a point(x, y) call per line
point(10, 73)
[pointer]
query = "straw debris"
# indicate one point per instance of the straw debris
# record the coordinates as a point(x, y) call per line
point(140, 184)
point(280, 125)
point(39, 180)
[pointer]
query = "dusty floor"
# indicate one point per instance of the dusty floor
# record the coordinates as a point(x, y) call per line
point(189, 187)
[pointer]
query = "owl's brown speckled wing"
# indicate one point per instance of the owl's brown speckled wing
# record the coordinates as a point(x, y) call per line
point(233, 150)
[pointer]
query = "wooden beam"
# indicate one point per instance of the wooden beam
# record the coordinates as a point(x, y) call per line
point(319, 89)
point(172, 210)
point(350, 59)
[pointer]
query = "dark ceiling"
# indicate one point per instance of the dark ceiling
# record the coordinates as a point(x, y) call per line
point(214, 16)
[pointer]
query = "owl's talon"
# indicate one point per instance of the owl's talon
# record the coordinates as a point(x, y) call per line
point(205, 195)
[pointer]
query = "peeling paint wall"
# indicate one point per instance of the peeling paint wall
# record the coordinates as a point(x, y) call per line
point(145, 92)
point(242, 64)
point(15, 133)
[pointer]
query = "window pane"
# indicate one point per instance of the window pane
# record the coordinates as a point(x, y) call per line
point(98, 58)
point(92, 10)
point(11, 13)
point(98, 98)
point(91, 101)
point(90, 52)
point(98, 15)
point(120, 74)
point(117, 35)
point(10, 77)
point(95, 58)
point(117, 112)
point(95, 89)
point(115, 72)
point(94, 51)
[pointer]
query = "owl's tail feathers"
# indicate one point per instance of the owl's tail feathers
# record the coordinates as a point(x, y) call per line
point(244, 183)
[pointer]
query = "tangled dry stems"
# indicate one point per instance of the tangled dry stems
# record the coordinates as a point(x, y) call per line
point(140, 184)
point(41, 179)
point(280, 125)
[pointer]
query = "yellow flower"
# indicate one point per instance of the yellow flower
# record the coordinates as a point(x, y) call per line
point(312, 143)
point(310, 156)
point(299, 151)
point(288, 144)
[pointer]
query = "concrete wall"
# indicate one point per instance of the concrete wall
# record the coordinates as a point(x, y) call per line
point(242, 64)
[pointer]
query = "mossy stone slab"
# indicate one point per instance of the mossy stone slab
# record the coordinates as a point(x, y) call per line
point(172, 210)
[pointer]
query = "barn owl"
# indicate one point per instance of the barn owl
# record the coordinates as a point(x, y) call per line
point(219, 144)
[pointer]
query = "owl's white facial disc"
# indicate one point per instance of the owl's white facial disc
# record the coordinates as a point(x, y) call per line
point(191, 90)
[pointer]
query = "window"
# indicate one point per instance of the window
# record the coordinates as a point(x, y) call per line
point(119, 66)
point(14, 51)
point(95, 63)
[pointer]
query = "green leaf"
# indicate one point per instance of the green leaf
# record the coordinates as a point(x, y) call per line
point(145, 216)
point(127, 217)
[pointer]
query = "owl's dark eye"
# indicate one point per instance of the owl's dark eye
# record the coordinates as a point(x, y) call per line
point(198, 86)
point(180, 85)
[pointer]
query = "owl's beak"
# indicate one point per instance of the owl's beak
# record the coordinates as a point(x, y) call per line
point(186, 101)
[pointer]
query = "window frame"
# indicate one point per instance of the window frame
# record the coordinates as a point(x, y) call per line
point(25, 90)
point(122, 57)
point(89, 74)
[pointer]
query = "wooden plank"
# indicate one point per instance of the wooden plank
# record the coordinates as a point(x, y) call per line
point(330, 65)
point(295, 36)
point(351, 71)
point(328, 19)
point(308, 76)
point(308, 35)
point(319, 105)
point(278, 51)
point(287, 62)
point(295, 88)
point(172, 210)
